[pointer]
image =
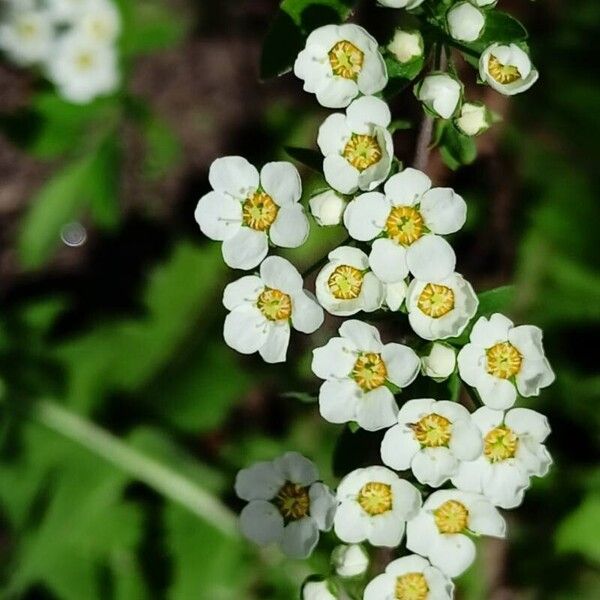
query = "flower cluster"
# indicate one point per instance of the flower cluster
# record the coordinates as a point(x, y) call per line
point(73, 42)
point(397, 262)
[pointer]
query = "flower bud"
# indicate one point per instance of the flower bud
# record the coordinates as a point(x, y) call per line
point(474, 118)
point(440, 93)
point(440, 363)
point(406, 45)
point(318, 590)
point(350, 560)
point(465, 22)
point(327, 208)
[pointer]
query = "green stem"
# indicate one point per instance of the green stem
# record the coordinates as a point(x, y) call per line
point(142, 468)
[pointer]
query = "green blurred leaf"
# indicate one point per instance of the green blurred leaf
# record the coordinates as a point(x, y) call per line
point(578, 533)
point(163, 149)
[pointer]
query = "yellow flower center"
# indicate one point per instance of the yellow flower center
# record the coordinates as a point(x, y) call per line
point(293, 501)
point(405, 225)
point(84, 61)
point(369, 371)
point(436, 300)
point(345, 282)
point(362, 151)
point(432, 431)
point(274, 305)
point(451, 517)
point(503, 74)
point(346, 60)
point(500, 444)
point(375, 498)
point(412, 586)
point(27, 30)
point(503, 360)
point(259, 211)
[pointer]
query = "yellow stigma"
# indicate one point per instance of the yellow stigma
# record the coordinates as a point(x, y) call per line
point(503, 360)
point(432, 431)
point(375, 498)
point(259, 211)
point(345, 282)
point(503, 74)
point(405, 225)
point(274, 305)
point(436, 300)
point(369, 371)
point(346, 60)
point(412, 586)
point(362, 151)
point(500, 444)
point(293, 501)
point(451, 517)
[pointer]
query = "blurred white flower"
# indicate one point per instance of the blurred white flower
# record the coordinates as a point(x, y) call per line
point(502, 359)
point(374, 505)
point(286, 504)
point(406, 45)
point(431, 438)
point(26, 36)
point(357, 146)
point(339, 62)
point(350, 561)
point(246, 210)
point(474, 118)
point(465, 22)
point(67, 11)
point(100, 21)
point(327, 208)
point(440, 362)
point(408, 220)
point(507, 69)
point(513, 452)
point(262, 309)
point(318, 590)
point(356, 368)
point(440, 309)
point(440, 93)
point(440, 530)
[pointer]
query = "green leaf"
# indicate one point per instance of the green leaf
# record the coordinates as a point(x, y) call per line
point(310, 158)
point(456, 149)
point(578, 533)
point(401, 74)
point(499, 27)
point(163, 149)
point(496, 300)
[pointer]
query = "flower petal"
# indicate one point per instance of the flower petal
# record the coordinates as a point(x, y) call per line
point(385, 530)
point(348, 255)
point(261, 481)
point(245, 249)
point(524, 421)
point(340, 174)
point(336, 92)
point(466, 442)
point(366, 215)
point(242, 291)
point(334, 133)
point(323, 504)
point(402, 364)
point(245, 329)
point(274, 350)
point(377, 410)
point(307, 315)
point(371, 293)
point(489, 332)
point(282, 182)
point(443, 210)
point(364, 337)
point(431, 258)
point(398, 447)
point(452, 554)
point(300, 538)
point(296, 468)
point(261, 522)
point(497, 393)
point(233, 175)
point(280, 274)
point(350, 522)
point(433, 466)
point(334, 359)
point(367, 111)
point(407, 187)
point(388, 260)
point(218, 215)
point(338, 400)
point(290, 228)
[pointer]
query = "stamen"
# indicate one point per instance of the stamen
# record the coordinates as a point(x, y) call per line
point(375, 498)
point(436, 300)
point(346, 60)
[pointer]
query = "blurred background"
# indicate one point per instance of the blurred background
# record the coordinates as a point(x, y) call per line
point(124, 416)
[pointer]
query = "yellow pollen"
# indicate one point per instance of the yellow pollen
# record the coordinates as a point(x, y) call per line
point(436, 300)
point(259, 211)
point(500, 444)
point(27, 30)
point(503, 360)
point(432, 431)
point(274, 305)
point(405, 225)
point(84, 61)
point(375, 498)
point(369, 371)
point(503, 74)
point(412, 586)
point(292, 501)
point(451, 517)
point(346, 60)
point(345, 282)
point(362, 151)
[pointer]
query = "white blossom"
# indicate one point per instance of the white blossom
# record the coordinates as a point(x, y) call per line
point(474, 118)
point(408, 4)
point(26, 36)
point(350, 560)
point(100, 21)
point(465, 22)
point(327, 208)
point(440, 93)
point(356, 368)
point(406, 45)
point(319, 590)
point(263, 307)
point(440, 362)
point(507, 68)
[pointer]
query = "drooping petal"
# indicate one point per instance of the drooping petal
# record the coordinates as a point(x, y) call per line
point(218, 215)
point(245, 249)
point(245, 329)
point(261, 522)
point(402, 364)
point(290, 228)
point(274, 350)
point(388, 260)
point(234, 175)
point(431, 258)
point(282, 182)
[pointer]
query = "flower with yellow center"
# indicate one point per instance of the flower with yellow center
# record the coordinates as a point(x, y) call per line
point(451, 517)
point(369, 371)
point(432, 431)
point(362, 151)
point(293, 501)
point(502, 73)
point(26, 36)
point(412, 586)
point(404, 225)
point(375, 498)
point(435, 300)
point(346, 60)
point(100, 21)
point(345, 282)
point(259, 211)
point(275, 305)
point(500, 444)
point(507, 68)
point(503, 360)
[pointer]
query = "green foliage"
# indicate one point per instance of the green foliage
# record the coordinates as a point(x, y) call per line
point(456, 149)
point(305, 156)
point(401, 74)
point(578, 533)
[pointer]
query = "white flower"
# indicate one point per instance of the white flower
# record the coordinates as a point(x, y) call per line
point(356, 368)
point(408, 220)
point(357, 146)
point(507, 69)
point(474, 118)
point(440, 93)
point(502, 359)
point(440, 362)
point(439, 531)
point(246, 210)
point(286, 504)
point(26, 36)
point(431, 438)
point(513, 451)
point(408, 4)
point(350, 561)
point(100, 21)
point(406, 45)
point(395, 293)
point(441, 308)
point(374, 505)
point(67, 11)
point(327, 208)
point(318, 590)
point(339, 62)
point(484, 2)
point(410, 577)
point(465, 22)
point(345, 285)
point(263, 307)
point(82, 69)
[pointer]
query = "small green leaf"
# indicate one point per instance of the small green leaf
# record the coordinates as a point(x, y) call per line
point(401, 74)
point(399, 125)
point(456, 149)
point(310, 158)
point(578, 533)
point(496, 300)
